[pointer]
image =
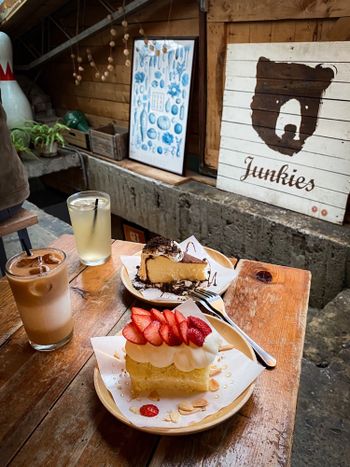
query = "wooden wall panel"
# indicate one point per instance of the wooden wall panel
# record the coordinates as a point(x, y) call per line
point(264, 10)
point(109, 100)
point(239, 22)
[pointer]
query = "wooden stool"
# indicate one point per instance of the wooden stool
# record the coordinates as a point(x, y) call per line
point(17, 223)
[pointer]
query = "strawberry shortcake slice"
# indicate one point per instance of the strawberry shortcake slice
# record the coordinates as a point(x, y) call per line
point(169, 353)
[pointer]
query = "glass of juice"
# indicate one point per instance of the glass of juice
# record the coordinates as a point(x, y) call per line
point(90, 214)
point(40, 287)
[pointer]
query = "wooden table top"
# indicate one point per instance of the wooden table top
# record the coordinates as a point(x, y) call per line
point(51, 415)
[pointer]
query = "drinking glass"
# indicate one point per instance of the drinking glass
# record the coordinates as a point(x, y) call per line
point(40, 287)
point(90, 214)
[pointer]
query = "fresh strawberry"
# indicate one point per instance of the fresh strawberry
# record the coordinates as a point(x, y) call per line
point(168, 336)
point(195, 336)
point(183, 331)
point(179, 317)
point(149, 410)
point(151, 333)
point(202, 326)
point(170, 317)
point(141, 321)
point(139, 311)
point(132, 334)
point(158, 316)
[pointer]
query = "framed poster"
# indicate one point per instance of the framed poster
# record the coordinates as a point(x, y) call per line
point(160, 92)
point(285, 129)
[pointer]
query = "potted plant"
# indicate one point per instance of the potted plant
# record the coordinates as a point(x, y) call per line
point(47, 138)
point(20, 138)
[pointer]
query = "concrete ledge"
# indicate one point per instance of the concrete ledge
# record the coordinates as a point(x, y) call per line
point(233, 224)
point(46, 165)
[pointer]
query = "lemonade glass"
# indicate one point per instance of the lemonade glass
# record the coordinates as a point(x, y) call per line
point(90, 214)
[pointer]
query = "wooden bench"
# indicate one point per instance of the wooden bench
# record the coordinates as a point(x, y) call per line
point(17, 223)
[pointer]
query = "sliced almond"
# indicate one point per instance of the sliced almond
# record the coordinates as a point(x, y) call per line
point(200, 403)
point(225, 347)
point(214, 370)
point(185, 406)
point(213, 385)
point(116, 355)
point(154, 396)
point(134, 410)
point(186, 412)
point(174, 416)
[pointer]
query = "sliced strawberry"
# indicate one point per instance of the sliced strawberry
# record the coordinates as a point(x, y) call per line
point(132, 334)
point(139, 311)
point(151, 333)
point(183, 331)
point(179, 317)
point(170, 317)
point(195, 322)
point(141, 321)
point(195, 336)
point(168, 336)
point(157, 315)
point(149, 410)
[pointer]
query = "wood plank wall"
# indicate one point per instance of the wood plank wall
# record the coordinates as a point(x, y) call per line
point(103, 102)
point(252, 21)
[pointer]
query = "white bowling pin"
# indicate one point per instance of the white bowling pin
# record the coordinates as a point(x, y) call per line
point(14, 101)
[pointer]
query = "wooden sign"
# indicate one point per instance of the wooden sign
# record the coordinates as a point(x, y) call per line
point(132, 234)
point(285, 131)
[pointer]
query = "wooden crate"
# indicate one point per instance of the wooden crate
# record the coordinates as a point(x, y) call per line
point(77, 138)
point(110, 141)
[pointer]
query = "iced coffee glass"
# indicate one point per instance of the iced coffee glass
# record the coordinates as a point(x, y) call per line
point(40, 287)
point(90, 214)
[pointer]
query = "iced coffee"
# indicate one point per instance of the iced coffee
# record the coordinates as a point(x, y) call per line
point(41, 290)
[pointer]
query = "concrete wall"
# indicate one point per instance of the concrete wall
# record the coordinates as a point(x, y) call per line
point(233, 224)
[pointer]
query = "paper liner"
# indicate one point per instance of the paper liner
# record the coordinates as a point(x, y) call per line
point(223, 275)
point(237, 373)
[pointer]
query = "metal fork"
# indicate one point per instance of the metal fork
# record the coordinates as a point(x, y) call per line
point(214, 303)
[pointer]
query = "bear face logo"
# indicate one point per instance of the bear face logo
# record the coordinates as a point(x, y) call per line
point(292, 86)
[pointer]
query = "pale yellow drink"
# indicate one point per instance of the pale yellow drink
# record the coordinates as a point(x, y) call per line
point(91, 222)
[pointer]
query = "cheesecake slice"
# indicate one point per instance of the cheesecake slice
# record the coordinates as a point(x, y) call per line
point(164, 262)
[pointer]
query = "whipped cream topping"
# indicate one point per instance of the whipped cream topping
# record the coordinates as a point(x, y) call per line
point(160, 246)
point(184, 357)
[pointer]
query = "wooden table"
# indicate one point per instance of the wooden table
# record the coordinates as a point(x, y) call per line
point(50, 414)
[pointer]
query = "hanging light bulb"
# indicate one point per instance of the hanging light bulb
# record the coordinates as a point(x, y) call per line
point(113, 32)
point(124, 23)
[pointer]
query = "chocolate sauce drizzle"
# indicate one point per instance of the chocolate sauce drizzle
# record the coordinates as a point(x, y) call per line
point(188, 247)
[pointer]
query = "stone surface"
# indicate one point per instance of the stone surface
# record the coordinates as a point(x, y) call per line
point(233, 224)
point(45, 165)
point(322, 430)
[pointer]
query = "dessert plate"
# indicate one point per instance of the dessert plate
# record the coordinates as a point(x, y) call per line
point(214, 254)
point(232, 337)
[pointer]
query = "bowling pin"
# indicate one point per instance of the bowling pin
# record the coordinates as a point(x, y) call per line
point(14, 101)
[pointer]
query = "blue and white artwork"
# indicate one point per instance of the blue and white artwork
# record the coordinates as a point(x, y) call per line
point(160, 92)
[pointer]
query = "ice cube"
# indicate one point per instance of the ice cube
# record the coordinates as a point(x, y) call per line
point(50, 258)
point(28, 262)
point(40, 288)
point(39, 270)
